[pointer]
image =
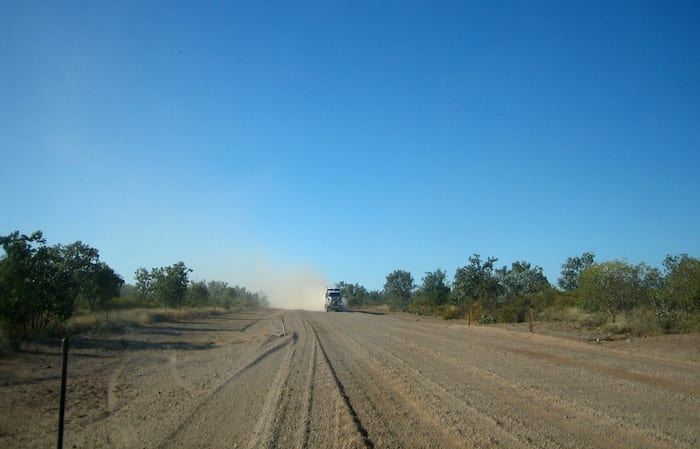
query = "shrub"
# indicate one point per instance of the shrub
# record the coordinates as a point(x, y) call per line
point(450, 313)
point(486, 319)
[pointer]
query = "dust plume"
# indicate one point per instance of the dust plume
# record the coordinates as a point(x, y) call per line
point(295, 288)
point(291, 286)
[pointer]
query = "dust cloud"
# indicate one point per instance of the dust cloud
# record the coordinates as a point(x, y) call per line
point(286, 285)
point(296, 288)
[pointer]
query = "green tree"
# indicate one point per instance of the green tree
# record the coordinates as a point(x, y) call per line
point(522, 279)
point(354, 295)
point(198, 294)
point(23, 286)
point(682, 290)
point(170, 284)
point(476, 282)
point(144, 283)
point(165, 286)
point(571, 271)
point(433, 292)
point(94, 283)
point(521, 287)
point(375, 298)
point(398, 288)
point(216, 290)
point(612, 287)
point(41, 283)
point(99, 285)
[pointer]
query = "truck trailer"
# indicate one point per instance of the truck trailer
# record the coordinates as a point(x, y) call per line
point(334, 300)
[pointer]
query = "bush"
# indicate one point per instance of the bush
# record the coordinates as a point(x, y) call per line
point(643, 321)
point(686, 323)
point(419, 306)
point(575, 316)
point(486, 319)
point(450, 313)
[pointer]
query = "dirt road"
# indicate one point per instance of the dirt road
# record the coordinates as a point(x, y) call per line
point(353, 380)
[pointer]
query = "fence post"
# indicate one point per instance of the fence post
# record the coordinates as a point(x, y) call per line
point(62, 405)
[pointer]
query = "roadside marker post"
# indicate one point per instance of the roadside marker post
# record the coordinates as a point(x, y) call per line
point(62, 405)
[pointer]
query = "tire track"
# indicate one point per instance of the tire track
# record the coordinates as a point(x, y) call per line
point(289, 419)
point(368, 443)
point(262, 435)
point(393, 417)
point(435, 406)
point(195, 422)
point(311, 379)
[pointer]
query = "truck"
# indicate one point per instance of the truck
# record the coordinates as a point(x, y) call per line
point(334, 300)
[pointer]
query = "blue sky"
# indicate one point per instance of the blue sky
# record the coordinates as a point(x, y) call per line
point(352, 139)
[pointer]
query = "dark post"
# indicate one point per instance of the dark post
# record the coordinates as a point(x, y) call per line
point(531, 320)
point(469, 319)
point(62, 406)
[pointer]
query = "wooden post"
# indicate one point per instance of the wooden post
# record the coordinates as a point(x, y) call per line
point(62, 405)
point(284, 331)
point(469, 315)
point(531, 320)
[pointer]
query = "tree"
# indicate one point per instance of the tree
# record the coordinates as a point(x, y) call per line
point(433, 292)
point(476, 282)
point(144, 283)
point(611, 287)
point(682, 290)
point(166, 286)
point(522, 279)
point(217, 291)
point(100, 284)
point(198, 294)
point(571, 271)
point(521, 287)
point(375, 298)
point(94, 282)
point(170, 284)
point(397, 289)
point(40, 284)
point(354, 295)
point(23, 294)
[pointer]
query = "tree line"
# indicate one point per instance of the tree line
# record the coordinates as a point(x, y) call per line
point(42, 286)
point(489, 294)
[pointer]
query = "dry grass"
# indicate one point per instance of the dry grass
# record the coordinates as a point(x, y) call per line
point(379, 309)
point(120, 319)
point(638, 322)
point(574, 316)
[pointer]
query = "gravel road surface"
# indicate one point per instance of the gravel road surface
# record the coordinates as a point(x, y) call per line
point(296, 379)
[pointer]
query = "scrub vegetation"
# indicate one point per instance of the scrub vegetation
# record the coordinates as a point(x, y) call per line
point(67, 288)
point(615, 296)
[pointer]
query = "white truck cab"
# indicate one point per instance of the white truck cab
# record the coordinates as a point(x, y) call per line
point(334, 300)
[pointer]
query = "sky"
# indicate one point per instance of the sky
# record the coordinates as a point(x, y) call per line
point(260, 142)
